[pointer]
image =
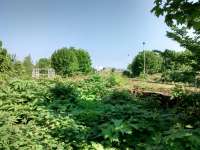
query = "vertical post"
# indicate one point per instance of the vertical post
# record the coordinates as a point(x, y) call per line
point(38, 73)
point(144, 71)
point(51, 73)
point(33, 73)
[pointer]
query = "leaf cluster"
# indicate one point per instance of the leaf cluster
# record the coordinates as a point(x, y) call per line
point(89, 114)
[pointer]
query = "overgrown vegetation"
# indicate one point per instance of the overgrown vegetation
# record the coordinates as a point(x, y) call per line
point(106, 111)
point(93, 114)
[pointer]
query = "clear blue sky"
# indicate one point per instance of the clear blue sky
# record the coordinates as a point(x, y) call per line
point(109, 30)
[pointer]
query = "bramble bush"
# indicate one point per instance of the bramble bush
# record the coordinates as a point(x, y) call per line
point(92, 114)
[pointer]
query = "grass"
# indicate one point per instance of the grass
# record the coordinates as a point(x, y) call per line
point(150, 84)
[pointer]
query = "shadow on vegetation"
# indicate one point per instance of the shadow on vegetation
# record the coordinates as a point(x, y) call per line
point(119, 119)
point(91, 114)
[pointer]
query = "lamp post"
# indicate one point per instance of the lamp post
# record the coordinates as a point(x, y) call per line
point(144, 71)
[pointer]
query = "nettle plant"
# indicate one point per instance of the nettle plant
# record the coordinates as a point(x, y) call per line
point(92, 114)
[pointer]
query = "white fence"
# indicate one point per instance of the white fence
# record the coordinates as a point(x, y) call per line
point(43, 72)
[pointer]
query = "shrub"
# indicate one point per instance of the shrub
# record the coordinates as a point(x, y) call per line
point(41, 114)
point(63, 91)
point(5, 60)
point(127, 73)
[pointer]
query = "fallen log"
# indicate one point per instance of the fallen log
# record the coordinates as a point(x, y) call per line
point(163, 98)
point(139, 91)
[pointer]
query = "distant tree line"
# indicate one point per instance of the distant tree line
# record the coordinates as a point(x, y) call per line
point(65, 61)
point(152, 65)
point(11, 66)
point(179, 66)
point(182, 17)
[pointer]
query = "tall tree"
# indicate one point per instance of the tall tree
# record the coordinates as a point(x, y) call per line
point(5, 60)
point(177, 66)
point(179, 12)
point(153, 63)
point(44, 63)
point(64, 61)
point(182, 16)
point(28, 65)
point(18, 68)
point(85, 65)
point(187, 41)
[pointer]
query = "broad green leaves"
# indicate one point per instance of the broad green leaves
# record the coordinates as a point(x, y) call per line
point(179, 12)
point(91, 114)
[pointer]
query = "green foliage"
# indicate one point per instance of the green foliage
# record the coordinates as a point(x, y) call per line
point(153, 63)
point(178, 92)
point(84, 60)
point(115, 79)
point(183, 19)
point(64, 92)
point(127, 73)
point(44, 63)
point(64, 61)
point(28, 65)
point(92, 114)
point(67, 61)
point(189, 41)
point(5, 60)
point(176, 12)
point(178, 66)
point(18, 68)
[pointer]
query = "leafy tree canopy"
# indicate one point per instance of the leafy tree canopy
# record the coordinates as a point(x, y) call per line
point(5, 60)
point(84, 60)
point(18, 68)
point(184, 12)
point(67, 61)
point(44, 63)
point(64, 61)
point(187, 41)
point(28, 65)
point(153, 63)
point(183, 18)
point(178, 66)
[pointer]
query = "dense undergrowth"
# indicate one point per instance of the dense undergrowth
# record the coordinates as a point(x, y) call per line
point(93, 114)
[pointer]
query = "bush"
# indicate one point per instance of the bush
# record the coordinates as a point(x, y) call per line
point(127, 73)
point(63, 91)
point(41, 114)
point(5, 60)
point(178, 66)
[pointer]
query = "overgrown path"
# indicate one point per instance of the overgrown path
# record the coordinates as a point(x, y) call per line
point(136, 86)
